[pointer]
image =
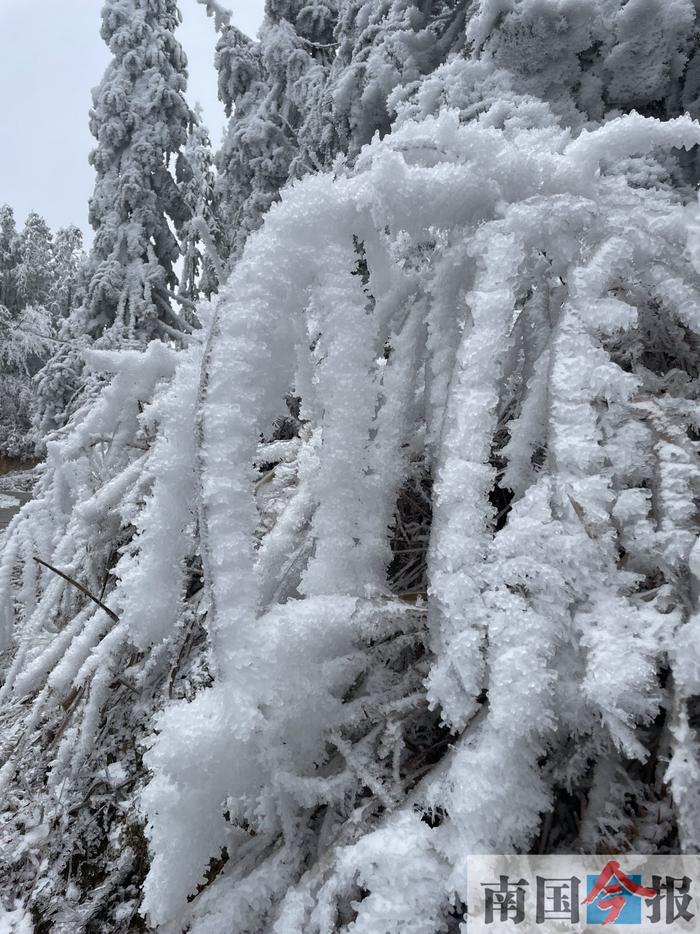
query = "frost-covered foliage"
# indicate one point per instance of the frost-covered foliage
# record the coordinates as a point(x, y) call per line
point(219, 13)
point(26, 342)
point(401, 562)
point(317, 85)
point(495, 324)
point(39, 268)
point(61, 380)
point(267, 88)
point(87, 678)
point(381, 47)
point(326, 76)
point(140, 119)
point(597, 55)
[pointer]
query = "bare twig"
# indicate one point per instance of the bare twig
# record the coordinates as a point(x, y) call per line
point(110, 613)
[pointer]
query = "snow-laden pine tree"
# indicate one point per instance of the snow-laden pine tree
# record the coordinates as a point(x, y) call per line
point(139, 119)
point(34, 274)
point(201, 234)
point(306, 673)
point(9, 258)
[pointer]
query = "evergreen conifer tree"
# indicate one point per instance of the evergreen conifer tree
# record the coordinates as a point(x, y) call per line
point(35, 272)
point(9, 258)
point(139, 119)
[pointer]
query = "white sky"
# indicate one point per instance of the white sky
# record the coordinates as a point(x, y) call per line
point(51, 55)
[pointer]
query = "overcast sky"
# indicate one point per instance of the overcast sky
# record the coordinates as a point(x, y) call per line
point(51, 55)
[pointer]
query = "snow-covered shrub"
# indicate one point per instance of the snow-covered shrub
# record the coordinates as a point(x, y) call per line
point(490, 305)
point(73, 655)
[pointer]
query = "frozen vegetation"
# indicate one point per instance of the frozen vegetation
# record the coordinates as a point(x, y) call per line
point(370, 466)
